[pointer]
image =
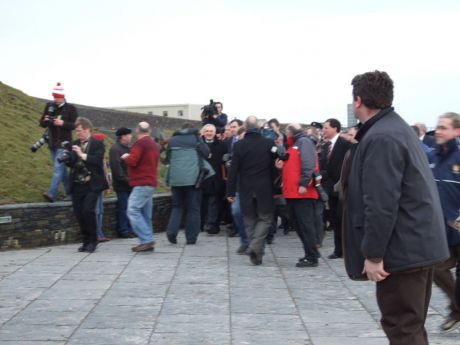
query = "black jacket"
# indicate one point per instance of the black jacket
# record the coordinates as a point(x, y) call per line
point(429, 141)
point(94, 163)
point(213, 184)
point(393, 205)
point(68, 113)
point(253, 166)
point(219, 122)
point(331, 168)
point(118, 167)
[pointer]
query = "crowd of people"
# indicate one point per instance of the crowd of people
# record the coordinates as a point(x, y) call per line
point(390, 193)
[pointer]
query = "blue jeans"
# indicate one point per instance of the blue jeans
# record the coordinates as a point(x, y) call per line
point(187, 197)
point(124, 227)
point(140, 208)
point(59, 174)
point(238, 220)
point(100, 216)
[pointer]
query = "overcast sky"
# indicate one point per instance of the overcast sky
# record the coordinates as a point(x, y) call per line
point(291, 59)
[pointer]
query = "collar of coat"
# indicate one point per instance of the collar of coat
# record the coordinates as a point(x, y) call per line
point(452, 146)
point(371, 122)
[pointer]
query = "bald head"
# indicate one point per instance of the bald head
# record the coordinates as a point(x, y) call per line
point(143, 129)
point(251, 123)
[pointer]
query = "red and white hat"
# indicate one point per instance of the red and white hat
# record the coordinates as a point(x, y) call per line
point(58, 91)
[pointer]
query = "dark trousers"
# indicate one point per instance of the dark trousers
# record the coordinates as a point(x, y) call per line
point(319, 223)
point(444, 279)
point(257, 223)
point(303, 216)
point(186, 198)
point(123, 225)
point(403, 299)
point(210, 211)
point(84, 207)
point(335, 217)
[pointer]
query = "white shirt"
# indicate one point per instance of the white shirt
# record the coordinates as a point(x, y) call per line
point(333, 141)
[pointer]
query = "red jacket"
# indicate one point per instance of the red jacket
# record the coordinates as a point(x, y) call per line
point(291, 177)
point(142, 163)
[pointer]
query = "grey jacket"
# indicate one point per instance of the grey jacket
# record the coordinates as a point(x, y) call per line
point(394, 210)
point(182, 155)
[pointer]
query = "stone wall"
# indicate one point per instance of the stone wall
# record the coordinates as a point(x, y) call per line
point(45, 224)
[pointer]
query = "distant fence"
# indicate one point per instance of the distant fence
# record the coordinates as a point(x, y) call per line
point(46, 224)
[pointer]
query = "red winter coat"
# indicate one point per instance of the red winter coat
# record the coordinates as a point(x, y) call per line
point(291, 177)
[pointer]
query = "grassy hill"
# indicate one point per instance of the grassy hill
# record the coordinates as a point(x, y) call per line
point(24, 175)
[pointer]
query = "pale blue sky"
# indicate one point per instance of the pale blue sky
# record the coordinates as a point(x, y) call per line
point(289, 59)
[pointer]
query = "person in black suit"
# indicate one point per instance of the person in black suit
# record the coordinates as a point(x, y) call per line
point(428, 140)
point(332, 155)
point(253, 165)
point(212, 187)
point(87, 180)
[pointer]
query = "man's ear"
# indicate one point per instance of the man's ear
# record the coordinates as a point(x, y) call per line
point(358, 101)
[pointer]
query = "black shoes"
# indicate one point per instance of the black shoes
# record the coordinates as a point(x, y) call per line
point(306, 263)
point(191, 241)
point(172, 238)
point(88, 248)
point(242, 250)
point(334, 256)
point(91, 248)
point(256, 259)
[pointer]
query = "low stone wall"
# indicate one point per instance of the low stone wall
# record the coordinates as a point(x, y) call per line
point(45, 224)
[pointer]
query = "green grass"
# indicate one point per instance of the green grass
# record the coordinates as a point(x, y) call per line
point(24, 175)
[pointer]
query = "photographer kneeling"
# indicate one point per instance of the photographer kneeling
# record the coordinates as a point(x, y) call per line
point(87, 180)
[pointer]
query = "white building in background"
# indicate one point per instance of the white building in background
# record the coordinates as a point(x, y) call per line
point(179, 111)
point(351, 118)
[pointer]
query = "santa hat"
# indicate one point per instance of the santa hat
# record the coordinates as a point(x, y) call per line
point(58, 91)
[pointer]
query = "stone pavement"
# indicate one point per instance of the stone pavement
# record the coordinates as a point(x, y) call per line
point(187, 295)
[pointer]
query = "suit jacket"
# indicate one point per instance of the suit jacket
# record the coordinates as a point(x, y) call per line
point(94, 163)
point(253, 165)
point(429, 141)
point(332, 168)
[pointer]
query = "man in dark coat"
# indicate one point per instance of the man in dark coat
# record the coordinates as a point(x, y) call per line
point(87, 181)
point(120, 180)
point(395, 231)
point(427, 140)
point(212, 187)
point(253, 167)
point(333, 153)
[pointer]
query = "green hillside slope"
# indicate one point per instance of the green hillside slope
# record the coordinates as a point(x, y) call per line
point(24, 175)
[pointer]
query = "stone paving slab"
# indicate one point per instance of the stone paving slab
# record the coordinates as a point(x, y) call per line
point(187, 295)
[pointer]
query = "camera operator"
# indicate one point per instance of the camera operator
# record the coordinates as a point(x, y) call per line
point(215, 116)
point(87, 180)
point(59, 119)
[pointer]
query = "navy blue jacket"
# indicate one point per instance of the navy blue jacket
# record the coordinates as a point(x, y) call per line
point(445, 165)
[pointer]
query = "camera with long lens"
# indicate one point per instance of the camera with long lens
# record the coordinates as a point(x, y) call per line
point(65, 156)
point(319, 188)
point(40, 142)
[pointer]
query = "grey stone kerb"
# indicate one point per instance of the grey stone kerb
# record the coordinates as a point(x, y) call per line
point(43, 224)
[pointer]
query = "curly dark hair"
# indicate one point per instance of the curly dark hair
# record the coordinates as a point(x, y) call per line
point(374, 88)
